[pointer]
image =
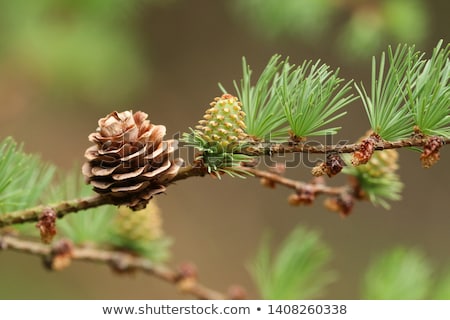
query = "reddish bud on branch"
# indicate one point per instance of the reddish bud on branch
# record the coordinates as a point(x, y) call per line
point(430, 154)
point(47, 225)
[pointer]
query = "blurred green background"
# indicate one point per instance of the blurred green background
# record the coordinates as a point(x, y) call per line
point(64, 64)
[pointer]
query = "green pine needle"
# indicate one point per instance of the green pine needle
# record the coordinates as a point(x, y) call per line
point(260, 102)
point(306, 98)
point(387, 105)
point(399, 274)
point(23, 177)
point(429, 94)
point(311, 98)
point(379, 190)
point(297, 269)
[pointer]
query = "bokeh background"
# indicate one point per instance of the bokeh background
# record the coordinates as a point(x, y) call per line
point(64, 64)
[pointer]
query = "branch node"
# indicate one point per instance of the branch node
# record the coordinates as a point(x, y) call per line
point(60, 256)
point(187, 276)
point(366, 149)
point(342, 204)
point(120, 265)
point(304, 195)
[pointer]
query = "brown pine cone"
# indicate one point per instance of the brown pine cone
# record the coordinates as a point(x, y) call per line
point(130, 161)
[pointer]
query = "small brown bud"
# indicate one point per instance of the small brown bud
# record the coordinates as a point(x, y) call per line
point(334, 164)
point(319, 170)
point(305, 195)
point(331, 167)
point(418, 133)
point(187, 270)
point(122, 266)
point(357, 191)
point(294, 199)
point(294, 138)
point(342, 204)
point(331, 204)
point(187, 277)
point(186, 285)
point(430, 154)
point(47, 225)
point(267, 183)
point(60, 256)
point(367, 148)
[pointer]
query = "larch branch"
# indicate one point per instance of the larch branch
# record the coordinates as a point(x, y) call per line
point(126, 262)
point(260, 149)
point(316, 188)
point(61, 209)
point(198, 170)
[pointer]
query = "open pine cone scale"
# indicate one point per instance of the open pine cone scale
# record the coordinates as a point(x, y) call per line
point(129, 160)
